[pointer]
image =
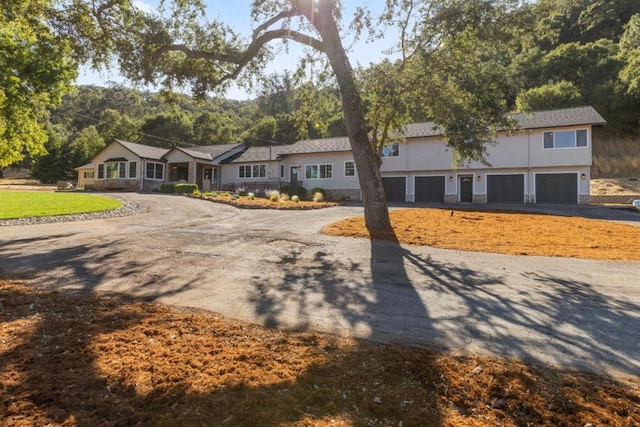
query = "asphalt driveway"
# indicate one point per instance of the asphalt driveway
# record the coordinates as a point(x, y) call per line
point(274, 268)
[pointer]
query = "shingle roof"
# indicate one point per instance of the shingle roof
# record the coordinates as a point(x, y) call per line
point(209, 152)
point(143, 151)
point(87, 166)
point(260, 154)
point(561, 117)
point(325, 145)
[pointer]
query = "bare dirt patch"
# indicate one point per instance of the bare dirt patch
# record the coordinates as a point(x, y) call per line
point(512, 233)
point(615, 186)
point(76, 358)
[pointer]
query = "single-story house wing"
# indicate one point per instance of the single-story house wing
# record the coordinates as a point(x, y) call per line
point(124, 165)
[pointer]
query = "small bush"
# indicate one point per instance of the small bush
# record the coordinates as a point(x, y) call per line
point(291, 190)
point(284, 197)
point(235, 197)
point(167, 187)
point(318, 197)
point(241, 191)
point(224, 194)
point(186, 188)
point(274, 196)
point(251, 196)
point(295, 199)
point(319, 190)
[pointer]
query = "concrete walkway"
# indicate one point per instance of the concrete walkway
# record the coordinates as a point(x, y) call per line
point(275, 268)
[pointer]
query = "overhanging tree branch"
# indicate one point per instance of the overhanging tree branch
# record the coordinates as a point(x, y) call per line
point(239, 59)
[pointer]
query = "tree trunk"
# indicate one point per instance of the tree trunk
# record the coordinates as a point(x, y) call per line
point(367, 162)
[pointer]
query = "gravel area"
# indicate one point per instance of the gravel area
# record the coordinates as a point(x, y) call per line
point(128, 208)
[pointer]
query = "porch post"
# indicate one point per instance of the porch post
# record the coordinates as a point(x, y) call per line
point(193, 169)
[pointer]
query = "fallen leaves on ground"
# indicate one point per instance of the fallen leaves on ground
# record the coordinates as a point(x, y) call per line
point(514, 233)
point(77, 358)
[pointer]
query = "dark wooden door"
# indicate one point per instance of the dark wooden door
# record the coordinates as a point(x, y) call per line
point(466, 189)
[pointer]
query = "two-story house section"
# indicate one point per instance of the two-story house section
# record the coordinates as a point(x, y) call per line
point(546, 161)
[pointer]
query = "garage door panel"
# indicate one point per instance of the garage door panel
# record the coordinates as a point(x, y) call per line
point(557, 188)
point(429, 189)
point(395, 188)
point(505, 188)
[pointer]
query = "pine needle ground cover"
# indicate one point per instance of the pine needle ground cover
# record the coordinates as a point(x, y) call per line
point(513, 233)
point(82, 359)
point(26, 204)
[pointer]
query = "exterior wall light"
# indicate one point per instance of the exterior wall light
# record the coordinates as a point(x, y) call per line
point(450, 179)
point(583, 176)
point(479, 178)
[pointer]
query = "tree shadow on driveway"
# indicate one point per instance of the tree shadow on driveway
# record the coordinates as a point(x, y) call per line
point(404, 297)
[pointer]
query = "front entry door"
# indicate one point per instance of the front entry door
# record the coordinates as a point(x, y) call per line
point(207, 178)
point(466, 189)
point(294, 175)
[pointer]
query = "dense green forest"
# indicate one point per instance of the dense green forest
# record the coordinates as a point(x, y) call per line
point(559, 53)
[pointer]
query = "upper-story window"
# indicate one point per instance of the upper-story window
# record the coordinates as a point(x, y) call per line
point(565, 139)
point(391, 150)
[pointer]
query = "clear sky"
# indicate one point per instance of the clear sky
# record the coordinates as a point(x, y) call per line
point(236, 13)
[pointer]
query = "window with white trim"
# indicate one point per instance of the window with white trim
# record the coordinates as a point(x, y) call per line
point(89, 174)
point(154, 171)
point(564, 139)
point(282, 171)
point(115, 170)
point(391, 150)
point(349, 168)
point(252, 171)
point(324, 171)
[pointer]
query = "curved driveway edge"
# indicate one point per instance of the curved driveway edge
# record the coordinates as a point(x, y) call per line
point(275, 268)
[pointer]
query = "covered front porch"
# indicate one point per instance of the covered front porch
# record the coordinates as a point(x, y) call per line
point(204, 175)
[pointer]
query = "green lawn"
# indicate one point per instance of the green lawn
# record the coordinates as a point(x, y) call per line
point(24, 204)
